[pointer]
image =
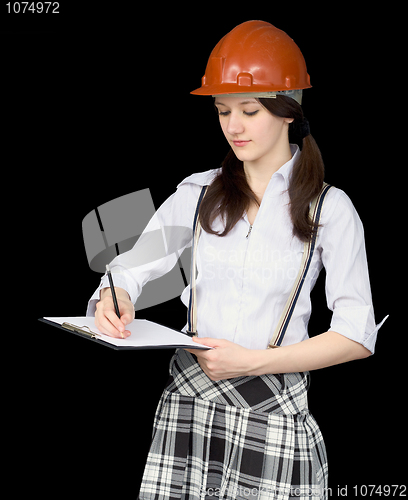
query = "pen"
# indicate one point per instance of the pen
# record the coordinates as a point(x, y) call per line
point(115, 300)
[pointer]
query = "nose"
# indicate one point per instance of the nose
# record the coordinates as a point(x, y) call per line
point(234, 125)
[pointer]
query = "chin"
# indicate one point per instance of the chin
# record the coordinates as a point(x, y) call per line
point(244, 156)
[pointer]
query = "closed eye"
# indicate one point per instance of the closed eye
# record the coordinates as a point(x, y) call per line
point(226, 113)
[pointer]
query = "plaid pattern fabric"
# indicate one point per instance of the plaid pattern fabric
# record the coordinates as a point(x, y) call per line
point(237, 439)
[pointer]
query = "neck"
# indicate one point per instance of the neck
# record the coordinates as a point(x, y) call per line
point(259, 172)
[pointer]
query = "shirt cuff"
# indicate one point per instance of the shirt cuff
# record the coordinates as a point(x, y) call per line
point(356, 323)
point(120, 281)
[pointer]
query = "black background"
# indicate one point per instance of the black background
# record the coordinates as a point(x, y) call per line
point(97, 105)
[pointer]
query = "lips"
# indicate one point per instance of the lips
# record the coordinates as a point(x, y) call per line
point(240, 144)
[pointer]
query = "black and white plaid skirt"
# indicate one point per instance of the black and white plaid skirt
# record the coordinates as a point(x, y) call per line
point(242, 438)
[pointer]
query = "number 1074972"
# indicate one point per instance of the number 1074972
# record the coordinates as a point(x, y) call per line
point(33, 7)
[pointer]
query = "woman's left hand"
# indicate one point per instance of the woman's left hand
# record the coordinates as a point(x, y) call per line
point(226, 360)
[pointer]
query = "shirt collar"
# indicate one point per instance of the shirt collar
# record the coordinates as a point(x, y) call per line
point(205, 178)
point(286, 169)
point(200, 178)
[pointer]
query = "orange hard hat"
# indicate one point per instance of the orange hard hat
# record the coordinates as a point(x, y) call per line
point(255, 57)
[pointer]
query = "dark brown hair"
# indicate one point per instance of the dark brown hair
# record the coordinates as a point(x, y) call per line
point(229, 195)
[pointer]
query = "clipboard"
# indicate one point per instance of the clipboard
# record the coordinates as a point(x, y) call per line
point(145, 334)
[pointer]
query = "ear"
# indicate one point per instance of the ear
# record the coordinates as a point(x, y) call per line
point(289, 120)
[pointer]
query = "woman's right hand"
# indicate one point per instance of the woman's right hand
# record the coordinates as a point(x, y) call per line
point(106, 319)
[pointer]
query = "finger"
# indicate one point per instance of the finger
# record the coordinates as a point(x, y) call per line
point(106, 327)
point(208, 341)
point(113, 318)
point(110, 324)
point(199, 353)
point(105, 318)
point(118, 324)
point(126, 318)
point(194, 351)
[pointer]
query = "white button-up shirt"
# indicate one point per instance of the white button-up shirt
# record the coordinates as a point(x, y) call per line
point(245, 278)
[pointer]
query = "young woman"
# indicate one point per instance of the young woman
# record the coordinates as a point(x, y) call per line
point(233, 421)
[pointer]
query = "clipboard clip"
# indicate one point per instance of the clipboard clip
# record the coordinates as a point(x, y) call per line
point(191, 334)
point(81, 329)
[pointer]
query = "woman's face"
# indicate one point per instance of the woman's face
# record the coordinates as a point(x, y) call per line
point(252, 131)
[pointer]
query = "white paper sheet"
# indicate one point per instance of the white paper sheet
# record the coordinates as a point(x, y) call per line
point(144, 333)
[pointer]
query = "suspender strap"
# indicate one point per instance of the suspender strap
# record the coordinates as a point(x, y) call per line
point(192, 307)
point(309, 247)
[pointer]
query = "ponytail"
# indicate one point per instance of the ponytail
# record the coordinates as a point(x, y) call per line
point(305, 184)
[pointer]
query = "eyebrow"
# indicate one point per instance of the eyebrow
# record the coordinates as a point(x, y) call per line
point(242, 102)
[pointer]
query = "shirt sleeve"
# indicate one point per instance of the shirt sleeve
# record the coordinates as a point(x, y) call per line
point(157, 250)
point(343, 253)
